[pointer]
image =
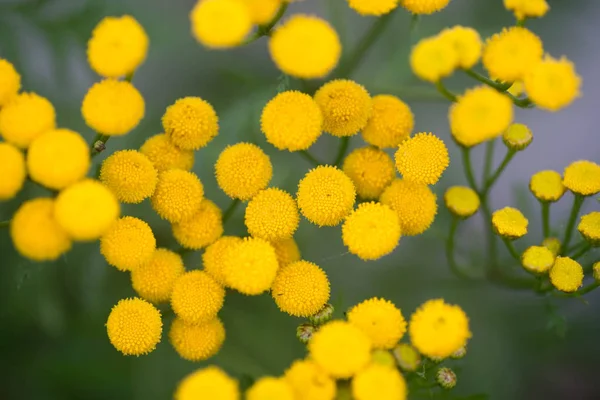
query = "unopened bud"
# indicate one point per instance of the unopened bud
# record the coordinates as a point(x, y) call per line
point(322, 316)
point(99, 146)
point(446, 378)
point(436, 360)
point(596, 269)
point(383, 357)
point(552, 244)
point(304, 332)
point(460, 353)
point(517, 137)
point(407, 357)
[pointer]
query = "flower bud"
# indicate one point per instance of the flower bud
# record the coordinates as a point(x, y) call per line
point(460, 353)
point(407, 357)
point(596, 269)
point(99, 146)
point(322, 316)
point(517, 137)
point(446, 378)
point(553, 244)
point(304, 332)
point(383, 357)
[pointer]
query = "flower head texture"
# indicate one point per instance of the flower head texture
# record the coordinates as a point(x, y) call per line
point(208, 383)
point(262, 11)
point(190, 123)
point(197, 297)
point(381, 320)
point(433, 58)
point(272, 215)
point(130, 175)
point(373, 7)
point(154, 279)
point(128, 244)
point(12, 171)
point(371, 171)
point(242, 170)
point(287, 251)
point(379, 382)
point(462, 201)
point(466, 42)
point(178, 195)
point(415, 204)
point(202, 228)
point(270, 388)
point(250, 267)
point(422, 158)
point(552, 84)
point(197, 342)
point(517, 137)
point(510, 223)
point(309, 381)
point(424, 6)
point(134, 327)
point(10, 81)
point(566, 274)
point(537, 259)
point(582, 178)
point(213, 258)
point(527, 8)
point(220, 23)
point(25, 117)
point(390, 124)
point(589, 227)
point(547, 185)
point(165, 155)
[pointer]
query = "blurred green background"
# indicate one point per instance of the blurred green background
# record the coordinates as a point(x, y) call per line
point(53, 343)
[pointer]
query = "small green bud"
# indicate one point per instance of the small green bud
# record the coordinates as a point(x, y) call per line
point(553, 244)
point(407, 357)
point(460, 353)
point(596, 269)
point(446, 378)
point(383, 357)
point(517, 137)
point(322, 316)
point(304, 332)
point(99, 146)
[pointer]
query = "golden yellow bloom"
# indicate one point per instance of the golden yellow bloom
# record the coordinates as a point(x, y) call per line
point(566, 274)
point(10, 81)
point(552, 84)
point(433, 58)
point(128, 244)
point(415, 204)
point(197, 342)
point(407, 357)
point(305, 47)
point(553, 244)
point(287, 251)
point(547, 185)
point(379, 382)
point(272, 215)
point(208, 383)
point(243, 170)
point(130, 175)
point(220, 23)
point(510, 223)
point(154, 279)
point(517, 137)
point(309, 381)
point(25, 117)
point(202, 228)
point(371, 171)
point(325, 195)
point(117, 47)
point(527, 8)
point(462, 201)
point(269, 388)
point(213, 258)
point(36, 234)
point(373, 7)
point(346, 107)
point(190, 123)
point(12, 171)
point(178, 195)
point(381, 320)
point(466, 42)
point(390, 124)
point(134, 327)
point(424, 6)
point(113, 107)
point(438, 329)
point(197, 297)
point(262, 11)
point(589, 227)
point(582, 177)
point(250, 266)
point(537, 259)
point(165, 155)
point(422, 158)
point(86, 210)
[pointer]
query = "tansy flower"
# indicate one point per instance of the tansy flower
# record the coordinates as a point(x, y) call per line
point(589, 227)
point(305, 47)
point(371, 171)
point(292, 121)
point(553, 244)
point(422, 158)
point(537, 259)
point(438, 329)
point(134, 327)
point(36, 234)
point(346, 107)
point(12, 170)
point(432, 59)
point(300, 289)
point(165, 155)
point(509, 223)
point(517, 137)
point(10, 81)
point(407, 357)
point(380, 320)
point(213, 258)
point(272, 215)
point(202, 228)
point(242, 170)
point(262, 11)
point(566, 274)
point(208, 383)
point(154, 279)
point(462, 201)
point(415, 204)
point(25, 117)
point(547, 186)
point(424, 6)
point(309, 381)
point(250, 266)
point(373, 7)
point(552, 84)
point(269, 388)
point(190, 123)
point(197, 297)
point(220, 23)
point(128, 244)
point(466, 42)
point(130, 175)
point(371, 231)
point(113, 107)
point(197, 342)
point(117, 47)
point(178, 195)
point(527, 8)
point(287, 251)
point(390, 124)
point(582, 178)
point(325, 195)
point(86, 210)
point(379, 382)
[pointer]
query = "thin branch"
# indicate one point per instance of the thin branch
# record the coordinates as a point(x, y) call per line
point(445, 92)
point(343, 147)
point(310, 158)
point(265, 30)
point(577, 202)
point(230, 210)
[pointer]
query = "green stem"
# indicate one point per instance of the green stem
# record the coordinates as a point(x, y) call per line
point(454, 267)
point(466, 158)
point(511, 249)
point(490, 181)
point(445, 92)
point(501, 87)
point(344, 142)
point(265, 30)
point(4, 224)
point(582, 291)
point(577, 202)
point(309, 157)
point(489, 159)
point(230, 210)
point(576, 247)
point(545, 218)
point(521, 22)
point(413, 28)
point(524, 102)
point(581, 251)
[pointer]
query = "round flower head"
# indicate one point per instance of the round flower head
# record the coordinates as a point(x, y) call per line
point(371, 231)
point(243, 170)
point(178, 195)
point(220, 23)
point(566, 274)
point(582, 178)
point(509, 223)
point(309, 381)
point(553, 244)
point(511, 54)
point(466, 43)
point(202, 228)
point(262, 11)
point(86, 210)
point(113, 107)
point(415, 204)
point(213, 258)
point(272, 215)
point(438, 329)
point(371, 171)
point(287, 251)
point(208, 383)
point(250, 266)
point(128, 244)
point(25, 117)
point(154, 279)
point(462, 201)
point(165, 155)
point(325, 196)
point(380, 320)
point(379, 382)
point(537, 259)
point(527, 8)
point(12, 171)
point(190, 123)
point(407, 357)
point(373, 7)
point(134, 327)
point(422, 158)
point(589, 227)
point(269, 388)
point(517, 137)
point(292, 121)
point(197, 297)
point(346, 107)
point(197, 342)
point(117, 47)
point(547, 186)
point(390, 124)
point(36, 234)
point(305, 47)
point(446, 378)
point(424, 6)
point(10, 81)
point(552, 84)
point(433, 58)
point(130, 175)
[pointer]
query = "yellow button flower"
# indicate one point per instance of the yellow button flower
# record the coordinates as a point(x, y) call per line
point(197, 297)
point(537, 259)
point(197, 342)
point(309, 381)
point(128, 244)
point(517, 137)
point(250, 267)
point(424, 6)
point(134, 327)
point(509, 223)
point(262, 11)
point(422, 158)
point(547, 186)
point(154, 279)
point(379, 382)
point(415, 204)
point(130, 175)
point(213, 258)
point(12, 171)
point(202, 228)
point(381, 320)
point(178, 195)
point(527, 8)
point(10, 81)
point(433, 58)
point(390, 124)
point(269, 388)
point(566, 275)
point(371, 171)
point(589, 227)
point(373, 7)
point(462, 201)
point(25, 117)
point(583, 178)
point(466, 42)
point(190, 123)
point(220, 23)
point(165, 155)
point(272, 215)
point(208, 383)
point(287, 251)
point(553, 84)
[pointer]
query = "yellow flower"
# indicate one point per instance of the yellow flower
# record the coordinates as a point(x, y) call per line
point(292, 121)
point(243, 170)
point(178, 195)
point(117, 47)
point(113, 107)
point(86, 210)
point(134, 327)
point(272, 215)
point(326, 195)
point(305, 47)
point(373, 7)
point(547, 186)
point(537, 259)
point(527, 8)
point(371, 231)
point(208, 383)
point(433, 58)
point(213, 258)
point(438, 329)
point(197, 297)
point(269, 388)
point(422, 158)
point(165, 155)
point(509, 223)
point(36, 234)
point(25, 117)
point(466, 42)
point(415, 204)
point(371, 171)
point(552, 84)
point(190, 123)
point(220, 23)
point(130, 175)
point(197, 342)
point(309, 381)
point(202, 228)
point(12, 171)
point(381, 320)
point(582, 177)
point(589, 227)
point(10, 81)
point(287, 251)
point(553, 244)
point(517, 137)
point(462, 201)
point(424, 6)
point(250, 266)
point(480, 114)
point(407, 357)
point(566, 274)
point(391, 122)
point(128, 244)
point(511, 54)
point(154, 279)
point(379, 382)
point(262, 11)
